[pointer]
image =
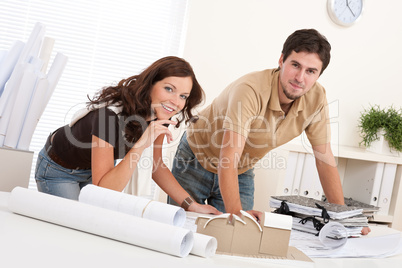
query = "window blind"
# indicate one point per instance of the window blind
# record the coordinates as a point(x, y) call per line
point(104, 40)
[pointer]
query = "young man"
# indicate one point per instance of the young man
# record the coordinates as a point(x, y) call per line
point(253, 115)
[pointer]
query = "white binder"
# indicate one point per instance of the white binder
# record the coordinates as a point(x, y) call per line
point(298, 173)
point(310, 185)
point(362, 180)
point(290, 173)
point(387, 184)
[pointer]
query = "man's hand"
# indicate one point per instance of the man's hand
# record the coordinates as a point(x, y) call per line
point(366, 230)
point(257, 215)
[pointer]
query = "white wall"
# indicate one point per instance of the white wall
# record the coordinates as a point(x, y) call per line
point(229, 38)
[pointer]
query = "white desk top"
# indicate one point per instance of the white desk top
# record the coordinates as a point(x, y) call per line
point(26, 242)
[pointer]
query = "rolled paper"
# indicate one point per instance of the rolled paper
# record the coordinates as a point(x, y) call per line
point(100, 221)
point(45, 52)
point(133, 205)
point(54, 74)
point(33, 44)
point(3, 54)
point(20, 107)
point(33, 114)
point(166, 213)
point(43, 92)
point(8, 63)
point(204, 245)
point(7, 100)
point(333, 235)
point(30, 49)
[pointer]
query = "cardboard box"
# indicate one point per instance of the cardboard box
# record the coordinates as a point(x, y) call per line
point(246, 237)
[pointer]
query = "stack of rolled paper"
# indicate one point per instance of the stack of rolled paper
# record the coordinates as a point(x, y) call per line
point(25, 87)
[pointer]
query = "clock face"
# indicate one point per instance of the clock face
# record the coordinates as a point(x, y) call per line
point(345, 12)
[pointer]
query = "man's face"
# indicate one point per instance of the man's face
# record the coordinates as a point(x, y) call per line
point(298, 74)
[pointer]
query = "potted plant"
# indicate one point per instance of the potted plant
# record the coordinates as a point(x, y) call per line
point(379, 127)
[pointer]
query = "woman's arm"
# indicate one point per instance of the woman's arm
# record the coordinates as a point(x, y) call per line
point(167, 182)
point(105, 174)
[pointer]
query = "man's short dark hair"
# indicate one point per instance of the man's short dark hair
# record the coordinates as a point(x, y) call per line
point(311, 41)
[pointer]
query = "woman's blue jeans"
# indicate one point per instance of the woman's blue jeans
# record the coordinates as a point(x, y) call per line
point(202, 185)
point(54, 179)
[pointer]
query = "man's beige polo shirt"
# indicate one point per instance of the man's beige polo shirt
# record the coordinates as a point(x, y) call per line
point(250, 106)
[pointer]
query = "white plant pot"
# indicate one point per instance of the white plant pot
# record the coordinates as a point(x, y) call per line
point(381, 146)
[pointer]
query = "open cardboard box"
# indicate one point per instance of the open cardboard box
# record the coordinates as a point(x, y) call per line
point(246, 237)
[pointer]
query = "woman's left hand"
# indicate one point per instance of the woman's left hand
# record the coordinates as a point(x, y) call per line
point(204, 209)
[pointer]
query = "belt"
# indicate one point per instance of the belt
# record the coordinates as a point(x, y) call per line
point(52, 154)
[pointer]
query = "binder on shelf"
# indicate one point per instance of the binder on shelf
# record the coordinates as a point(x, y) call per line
point(310, 185)
point(387, 184)
point(362, 180)
point(298, 174)
point(290, 173)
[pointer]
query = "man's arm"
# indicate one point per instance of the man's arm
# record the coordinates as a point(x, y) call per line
point(232, 148)
point(328, 173)
point(329, 176)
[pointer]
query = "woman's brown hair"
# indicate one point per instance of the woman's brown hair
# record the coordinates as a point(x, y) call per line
point(134, 94)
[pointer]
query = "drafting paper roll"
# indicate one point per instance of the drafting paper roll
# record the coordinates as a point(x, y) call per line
point(7, 99)
point(8, 63)
point(21, 105)
point(204, 245)
point(33, 43)
point(103, 222)
point(133, 205)
point(333, 235)
point(43, 92)
point(45, 52)
point(33, 114)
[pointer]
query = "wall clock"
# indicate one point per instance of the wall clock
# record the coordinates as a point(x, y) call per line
point(345, 12)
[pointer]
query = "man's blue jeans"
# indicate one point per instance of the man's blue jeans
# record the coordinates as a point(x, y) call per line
point(203, 185)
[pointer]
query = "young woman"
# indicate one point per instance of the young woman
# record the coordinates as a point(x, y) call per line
point(119, 123)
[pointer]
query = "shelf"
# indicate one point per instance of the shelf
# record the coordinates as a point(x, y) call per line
point(349, 152)
point(382, 218)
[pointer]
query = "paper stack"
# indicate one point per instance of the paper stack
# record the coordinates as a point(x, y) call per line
point(310, 215)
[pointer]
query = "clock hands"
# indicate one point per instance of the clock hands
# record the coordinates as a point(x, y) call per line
point(347, 4)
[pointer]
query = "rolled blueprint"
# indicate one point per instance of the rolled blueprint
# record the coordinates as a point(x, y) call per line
point(133, 205)
point(33, 114)
point(204, 245)
point(33, 44)
point(8, 63)
point(43, 92)
point(45, 52)
point(333, 235)
point(21, 104)
point(103, 222)
point(30, 49)
point(7, 100)
point(3, 54)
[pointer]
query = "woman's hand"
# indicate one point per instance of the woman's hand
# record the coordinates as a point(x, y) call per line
point(153, 131)
point(204, 209)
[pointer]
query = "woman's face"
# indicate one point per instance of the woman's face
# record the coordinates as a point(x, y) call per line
point(169, 96)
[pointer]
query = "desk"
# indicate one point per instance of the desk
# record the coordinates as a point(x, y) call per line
point(26, 242)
